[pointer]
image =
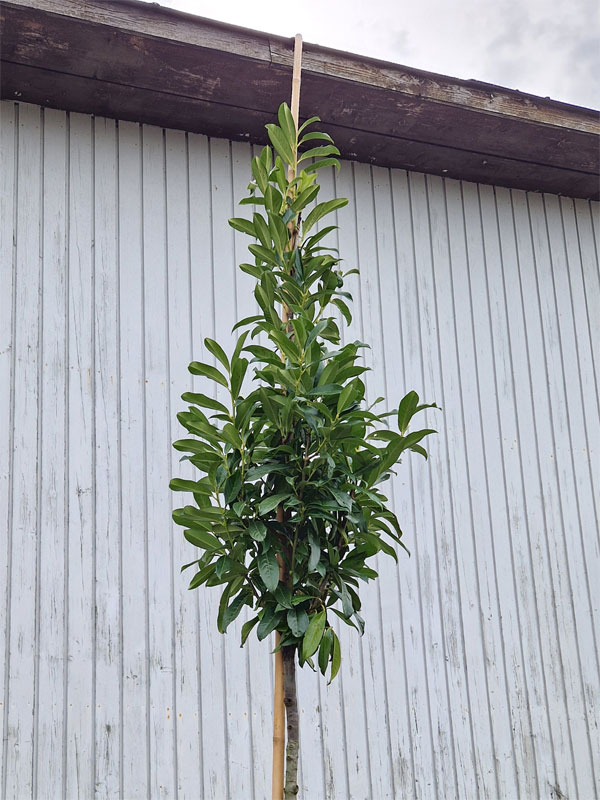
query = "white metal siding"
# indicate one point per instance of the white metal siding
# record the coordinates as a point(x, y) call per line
point(478, 673)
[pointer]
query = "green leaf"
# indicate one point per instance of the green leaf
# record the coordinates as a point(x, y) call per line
point(313, 635)
point(233, 484)
point(191, 564)
point(408, 406)
point(416, 448)
point(222, 606)
point(344, 500)
point(347, 607)
point(305, 197)
point(246, 628)
point(320, 151)
point(238, 374)
point(325, 650)
point(316, 135)
point(230, 434)
point(181, 485)
point(283, 596)
point(242, 225)
point(316, 331)
point(336, 658)
point(298, 599)
point(273, 199)
point(260, 173)
point(388, 550)
point(222, 566)
point(411, 440)
point(266, 157)
point(263, 253)
point(263, 354)
point(345, 398)
point(267, 404)
point(308, 122)
point(321, 210)
point(322, 162)
point(262, 231)
point(203, 539)
point(297, 619)
point(268, 569)
point(289, 348)
point(247, 321)
point(270, 620)
point(253, 200)
point(195, 424)
point(197, 517)
point(238, 347)
point(428, 405)
point(315, 550)
point(234, 608)
point(269, 503)
point(265, 469)
point(390, 456)
point(257, 530)
point(204, 401)
point(280, 143)
point(326, 390)
point(202, 576)
point(346, 313)
point(385, 436)
point(286, 121)
point(217, 351)
point(198, 368)
point(279, 232)
point(278, 174)
point(316, 237)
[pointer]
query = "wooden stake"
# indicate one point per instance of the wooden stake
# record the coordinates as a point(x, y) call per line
point(296, 77)
point(278, 705)
point(278, 726)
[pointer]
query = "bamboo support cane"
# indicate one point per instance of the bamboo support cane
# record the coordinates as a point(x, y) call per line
point(278, 705)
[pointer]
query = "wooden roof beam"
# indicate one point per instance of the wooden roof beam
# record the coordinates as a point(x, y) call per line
point(136, 61)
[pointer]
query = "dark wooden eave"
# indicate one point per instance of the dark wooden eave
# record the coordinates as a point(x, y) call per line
point(135, 61)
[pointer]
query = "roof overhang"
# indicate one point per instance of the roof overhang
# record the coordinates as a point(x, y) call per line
point(137, 61)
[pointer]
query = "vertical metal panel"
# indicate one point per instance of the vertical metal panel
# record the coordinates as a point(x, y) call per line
point(135, 748)
point(398, 603)
point(50, 698)
point(106, 558)
point(180, 347)
point(161, 655)
point(202, 285)
point(8, 205)
point(501, 502)
point(478, 673)
point(402, 354)
point(352, 675)
point(19, 751)
point(78, 734)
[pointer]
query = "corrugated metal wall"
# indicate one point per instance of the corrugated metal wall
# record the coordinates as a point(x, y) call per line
point(478, 673)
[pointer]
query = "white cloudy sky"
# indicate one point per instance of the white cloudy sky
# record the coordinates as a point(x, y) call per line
point(547, 47)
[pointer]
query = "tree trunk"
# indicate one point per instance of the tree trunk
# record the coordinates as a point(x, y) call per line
point(291, 708)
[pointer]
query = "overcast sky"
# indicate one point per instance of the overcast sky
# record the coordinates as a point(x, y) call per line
point(547, 47)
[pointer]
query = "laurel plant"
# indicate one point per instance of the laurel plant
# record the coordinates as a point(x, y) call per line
point(288, 511)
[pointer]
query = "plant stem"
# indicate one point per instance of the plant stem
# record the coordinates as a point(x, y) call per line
point(281, 657)
point(291, 709)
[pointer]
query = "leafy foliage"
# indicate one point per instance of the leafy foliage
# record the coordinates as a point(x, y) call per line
point(289, 511)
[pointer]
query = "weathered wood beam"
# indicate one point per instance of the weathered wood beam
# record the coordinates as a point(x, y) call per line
point(131, 60)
